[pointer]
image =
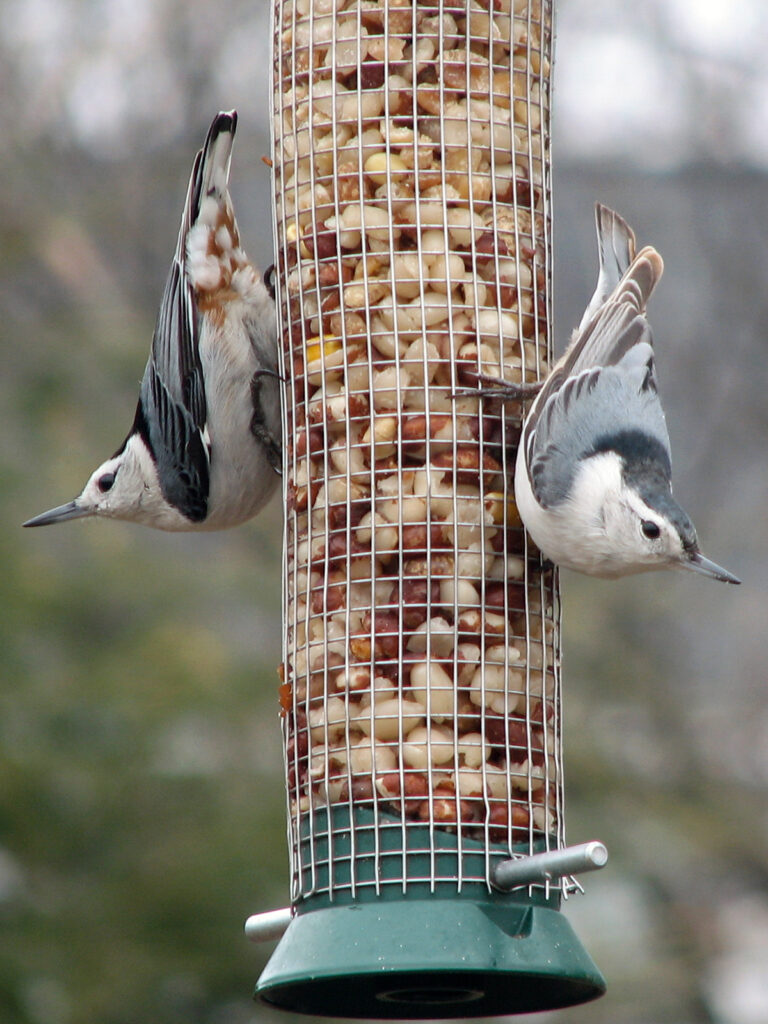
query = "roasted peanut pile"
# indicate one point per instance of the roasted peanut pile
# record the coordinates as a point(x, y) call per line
point(410, 183)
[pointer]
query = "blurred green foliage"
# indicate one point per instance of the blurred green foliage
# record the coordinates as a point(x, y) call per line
point(141, 806)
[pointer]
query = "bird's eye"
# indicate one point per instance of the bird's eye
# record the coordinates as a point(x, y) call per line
point(650, 529)
point(105, 482)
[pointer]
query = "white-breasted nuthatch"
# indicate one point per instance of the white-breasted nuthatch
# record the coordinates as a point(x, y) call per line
point(204, 449)
point(593, 471)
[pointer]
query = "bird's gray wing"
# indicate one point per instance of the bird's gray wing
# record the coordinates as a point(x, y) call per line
point(173, 389)
point(617, 325)
point(592, 412)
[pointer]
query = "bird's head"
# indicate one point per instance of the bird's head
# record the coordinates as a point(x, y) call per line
point(636, 524)
point(123, 487)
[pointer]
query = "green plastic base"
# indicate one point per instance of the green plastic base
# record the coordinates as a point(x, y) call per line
point(440, 949)
point(429, 958)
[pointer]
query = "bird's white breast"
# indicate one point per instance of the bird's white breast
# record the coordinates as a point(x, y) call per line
point(573, 532)
point(241, 476)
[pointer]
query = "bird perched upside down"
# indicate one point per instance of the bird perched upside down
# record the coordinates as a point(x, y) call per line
point(204, 449)
point(593, 472)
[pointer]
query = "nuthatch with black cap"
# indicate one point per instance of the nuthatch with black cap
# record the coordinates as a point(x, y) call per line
point(204, 449)
point(593, 471)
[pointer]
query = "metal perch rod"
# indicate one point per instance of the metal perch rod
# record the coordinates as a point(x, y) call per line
point(268, 926)
point(540, 867)
point(543, 867)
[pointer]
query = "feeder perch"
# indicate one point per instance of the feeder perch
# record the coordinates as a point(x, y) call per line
point(421, 684)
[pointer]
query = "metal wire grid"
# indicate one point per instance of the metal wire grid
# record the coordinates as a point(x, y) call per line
point(389, 285)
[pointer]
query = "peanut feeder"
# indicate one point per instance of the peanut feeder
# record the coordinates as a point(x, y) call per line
point(420, 692)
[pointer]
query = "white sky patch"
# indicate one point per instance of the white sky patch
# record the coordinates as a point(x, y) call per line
point(721, 29)
point(97, 102)
point(108, 99)
point(245, 62)
point(44, 26)
point(613, 96)
point(130, 24)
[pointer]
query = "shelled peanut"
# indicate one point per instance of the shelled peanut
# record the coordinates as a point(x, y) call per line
point(412, 227)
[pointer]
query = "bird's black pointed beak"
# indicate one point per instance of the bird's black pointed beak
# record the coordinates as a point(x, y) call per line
point(696, 562)
point(60, 514)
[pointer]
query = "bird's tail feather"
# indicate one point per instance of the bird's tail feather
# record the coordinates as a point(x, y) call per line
point(639, 280)
point(604, 340)
point(210, 175)
point(616, 250)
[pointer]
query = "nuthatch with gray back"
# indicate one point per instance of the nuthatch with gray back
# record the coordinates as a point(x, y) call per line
point(593, 472)
point(204, 449)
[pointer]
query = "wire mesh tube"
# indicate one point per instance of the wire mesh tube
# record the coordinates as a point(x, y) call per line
point(421, 687)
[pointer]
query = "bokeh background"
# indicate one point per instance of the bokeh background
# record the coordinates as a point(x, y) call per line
point(141, 799)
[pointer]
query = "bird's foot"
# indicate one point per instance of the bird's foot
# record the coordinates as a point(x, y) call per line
point(264, 371)
point(269, 280)
point(495, 387)
point(267, 440)
point(259, 429)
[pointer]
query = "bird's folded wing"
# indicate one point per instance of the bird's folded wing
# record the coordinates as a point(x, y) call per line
point(173, 395)
point(609, 334)
point(589, 406)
